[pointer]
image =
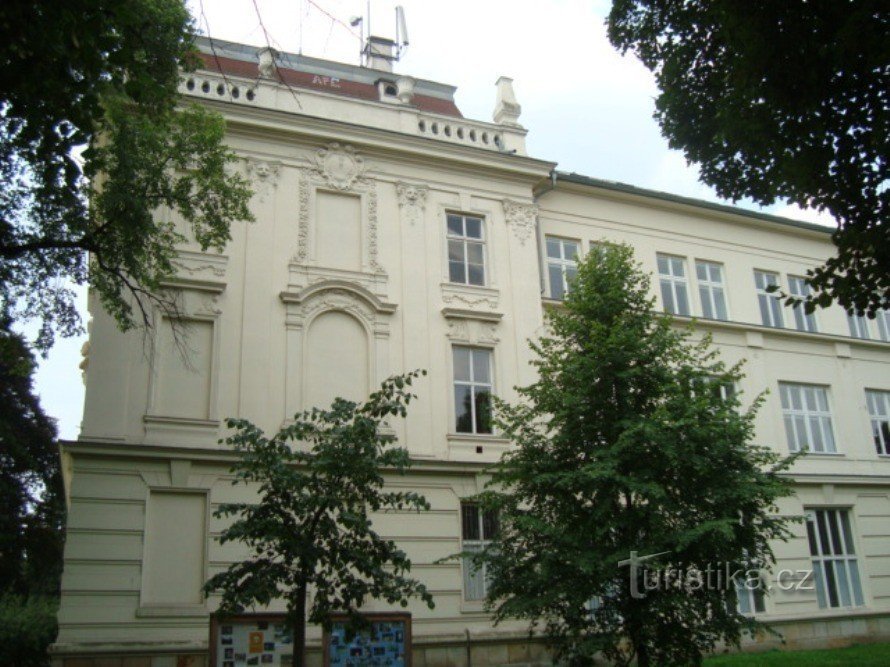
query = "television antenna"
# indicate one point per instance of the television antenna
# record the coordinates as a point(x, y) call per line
point(401, 40)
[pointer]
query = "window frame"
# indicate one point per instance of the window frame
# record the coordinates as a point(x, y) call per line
point(464, 240)
point(859, 326)
point(561, 262)
point(710, 287)
point(875, 399)
point(882, 318)
point(840, 534)
point(769, 303)
point(673, 283)
point(803, 321)
point(791, 415)
point(473, 384)
point(476, 577)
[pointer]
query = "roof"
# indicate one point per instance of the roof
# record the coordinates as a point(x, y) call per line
point(299, 71)
point(615, 186)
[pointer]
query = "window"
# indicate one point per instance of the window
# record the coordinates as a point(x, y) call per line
point(835, 567)
point(478, 527)
point(472, 389)
point(710, 289)
point(466, 249)
point(879, 411)
point(749, 596)
point(672, 274)
point(562, 265)
point(807, 417)
point(798, 287)
point(770, 306)
point(858, 326)
point(883, 318)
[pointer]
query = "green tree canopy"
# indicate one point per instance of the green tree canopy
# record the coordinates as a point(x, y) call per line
point(781, 100)
point(93, 141)
point(629, 441)
point(318, 480)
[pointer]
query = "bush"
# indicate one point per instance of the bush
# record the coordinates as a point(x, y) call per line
point(27, 627)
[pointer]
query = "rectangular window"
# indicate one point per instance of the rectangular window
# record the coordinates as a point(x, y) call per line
point(472, 389)
point(672, 275)
point(835, 566)
point(466, 249)
point(807, 417)
point(798, 287)
point(478, 528)
point(710, 289)
point(562, 264)
point(883, 319)
point(770, 306)
point(879, 412)
point(749, 596)
point(858, 326)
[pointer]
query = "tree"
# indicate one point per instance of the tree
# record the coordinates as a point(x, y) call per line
point(629, 443)
point(94, 140)
point(781, 100)
point(32, 509)
point(318, 479)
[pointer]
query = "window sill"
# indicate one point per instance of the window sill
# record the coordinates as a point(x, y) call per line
point(472, 606)
point(477, 437)
point(807, 453)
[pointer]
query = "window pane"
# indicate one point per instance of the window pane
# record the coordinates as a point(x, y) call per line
point(682, 303)
point(455, 225)
point(571, 251)
point(663, 265)
point(554, 273)
point(461, 356)
point(474, 228)
point(482, 366)
point(474, 253)
point(705, 295)
point(843, 586)
point(667, 296)
point(474, 579)
point(701, 270)
point(571, 274)
point(857, 585)
point(677, 266)
point(721, 305)
point(831, 581)
point(463, 408)
point(483, 411)
point(490, 524)
point(553, 248)
point(476, 275)
point(469, 521)
point(457, 272)
point(818, 575)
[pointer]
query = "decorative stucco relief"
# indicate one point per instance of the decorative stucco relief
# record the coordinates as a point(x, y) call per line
point(412, 200)
point(340, 166)
point(521, 217)
point(264, 175)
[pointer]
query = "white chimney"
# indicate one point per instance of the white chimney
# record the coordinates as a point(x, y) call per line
point(266, 65)
point(506, 108)
point(379, 53)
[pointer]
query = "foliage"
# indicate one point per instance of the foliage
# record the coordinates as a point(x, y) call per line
point(624, 444)
point(32, 510)
point(93, 142)
point(781, 100)
point(27, 628)
point(861, 655)
point(318, 480)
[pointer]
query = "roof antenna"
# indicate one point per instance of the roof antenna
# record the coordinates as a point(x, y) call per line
point(401, 32)
point(380, 52)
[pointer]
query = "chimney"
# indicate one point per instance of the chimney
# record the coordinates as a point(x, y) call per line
point(379, 53)
point(506, 108)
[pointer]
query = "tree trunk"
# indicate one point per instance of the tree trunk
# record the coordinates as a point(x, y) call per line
point(299, 628)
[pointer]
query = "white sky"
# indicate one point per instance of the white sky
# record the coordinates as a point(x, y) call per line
point(586, 107)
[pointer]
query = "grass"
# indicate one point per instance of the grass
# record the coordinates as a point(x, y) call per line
point(860, 655)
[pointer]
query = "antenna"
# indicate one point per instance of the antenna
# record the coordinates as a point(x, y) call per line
point(401, 29)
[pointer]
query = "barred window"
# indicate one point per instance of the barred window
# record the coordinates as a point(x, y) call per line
point(835, 566)
point(478, 528)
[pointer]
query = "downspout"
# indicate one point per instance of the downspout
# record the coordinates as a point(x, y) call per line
point(469, 652)
point(539, 234)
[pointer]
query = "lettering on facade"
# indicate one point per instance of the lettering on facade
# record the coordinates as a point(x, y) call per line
point(326, 81)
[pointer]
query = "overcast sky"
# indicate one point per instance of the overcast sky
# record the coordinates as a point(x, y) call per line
point(585, 106)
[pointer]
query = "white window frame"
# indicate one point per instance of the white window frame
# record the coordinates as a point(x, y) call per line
point(878, 403)
point(709, 289)
point(770, 304)
point(673, 283)
point(473, 384)
point(803, 321)
point(563, 263)
point(833, 555)
point(475, 580)
point(859, 326)
point(803, 423)
point(750, 601)
point(466, 241)
point(883, 321)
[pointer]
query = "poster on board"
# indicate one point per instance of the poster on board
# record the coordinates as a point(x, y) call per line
point(386, 642)
point(250, 640)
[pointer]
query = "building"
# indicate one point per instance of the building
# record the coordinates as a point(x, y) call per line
point(391, 233)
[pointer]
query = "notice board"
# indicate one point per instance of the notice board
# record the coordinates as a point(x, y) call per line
point(386, 642)
point(250, 640)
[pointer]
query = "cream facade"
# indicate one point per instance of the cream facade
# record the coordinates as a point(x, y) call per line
point(393, 234)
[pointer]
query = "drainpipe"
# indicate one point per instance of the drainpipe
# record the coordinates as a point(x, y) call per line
point(539, 238)
point(469, 652)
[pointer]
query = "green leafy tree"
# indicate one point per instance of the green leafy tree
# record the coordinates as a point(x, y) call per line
point(32, 505)
point(318, 481)
point(629, 441)
point(94, 140)
point(781, 100)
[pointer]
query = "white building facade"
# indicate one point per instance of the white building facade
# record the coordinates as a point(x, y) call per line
point(393, 234)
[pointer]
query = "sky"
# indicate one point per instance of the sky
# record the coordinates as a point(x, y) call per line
point(585, 106)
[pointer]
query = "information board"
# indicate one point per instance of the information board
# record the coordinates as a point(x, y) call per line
point(250, 640)
point(386, 643)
